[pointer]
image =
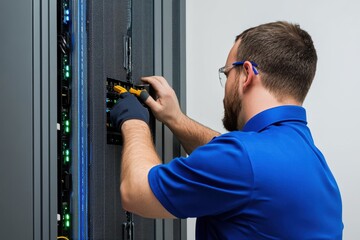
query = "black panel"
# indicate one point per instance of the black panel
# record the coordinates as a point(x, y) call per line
point(64, 113)
point(108, 21)
point(143, 42)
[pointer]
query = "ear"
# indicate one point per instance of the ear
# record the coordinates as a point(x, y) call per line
point(249, 73)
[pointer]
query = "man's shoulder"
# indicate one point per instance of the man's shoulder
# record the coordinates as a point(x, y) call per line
point(238, 136)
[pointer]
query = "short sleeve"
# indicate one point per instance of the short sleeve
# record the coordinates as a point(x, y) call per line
point(215, 179)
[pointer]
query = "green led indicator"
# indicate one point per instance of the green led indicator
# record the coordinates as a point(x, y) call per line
point(66, 155)
point(67, 216)
point(67, 223)
point(115, 101)
point(67, 126)
point(67, 71)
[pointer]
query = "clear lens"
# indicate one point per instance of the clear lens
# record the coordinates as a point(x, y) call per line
point(222, 78)
point(222, 74)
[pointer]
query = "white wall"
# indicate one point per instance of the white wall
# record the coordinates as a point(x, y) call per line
point(333, 102)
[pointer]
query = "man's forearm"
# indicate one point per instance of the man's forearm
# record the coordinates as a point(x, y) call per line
point(191, 133)
point(138, 157)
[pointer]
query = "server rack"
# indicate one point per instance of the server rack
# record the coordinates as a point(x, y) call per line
point(28, 131)
point(59, 176)
point(127, 40)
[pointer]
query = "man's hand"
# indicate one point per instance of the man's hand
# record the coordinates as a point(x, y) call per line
point(166, 107)
point(126, 108)
point(167, 110)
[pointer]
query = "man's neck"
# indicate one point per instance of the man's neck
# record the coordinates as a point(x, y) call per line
point(255, 103)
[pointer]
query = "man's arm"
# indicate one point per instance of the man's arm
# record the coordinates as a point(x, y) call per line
point(138, 157)
point(166, 109)
point(190, 133)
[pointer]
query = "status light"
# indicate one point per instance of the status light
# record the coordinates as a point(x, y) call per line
point(67, 71)
point(66, 16)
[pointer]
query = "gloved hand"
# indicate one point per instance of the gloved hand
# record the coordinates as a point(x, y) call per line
point(126, 108)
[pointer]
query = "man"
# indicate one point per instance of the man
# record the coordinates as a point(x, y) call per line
point(265, 179)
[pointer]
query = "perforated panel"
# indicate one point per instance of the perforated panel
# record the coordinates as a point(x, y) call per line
point(108, 23)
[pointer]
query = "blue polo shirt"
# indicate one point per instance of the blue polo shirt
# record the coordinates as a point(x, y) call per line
point(268, 181)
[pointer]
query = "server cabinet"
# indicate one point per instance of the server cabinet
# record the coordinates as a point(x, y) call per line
point(48, 158)
point(112, 34)
point(28, 119)
point(140, 38)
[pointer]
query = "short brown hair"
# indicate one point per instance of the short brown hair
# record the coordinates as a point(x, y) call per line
point(285, 55)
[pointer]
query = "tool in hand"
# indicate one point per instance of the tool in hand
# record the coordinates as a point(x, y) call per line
point(140, 93)
point(120, 89)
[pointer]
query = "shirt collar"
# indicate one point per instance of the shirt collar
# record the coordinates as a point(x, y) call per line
point(274, 115)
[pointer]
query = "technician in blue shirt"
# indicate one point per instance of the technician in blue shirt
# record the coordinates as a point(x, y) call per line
point(265, 179)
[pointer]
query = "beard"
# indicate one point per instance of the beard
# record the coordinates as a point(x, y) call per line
point(232, 109)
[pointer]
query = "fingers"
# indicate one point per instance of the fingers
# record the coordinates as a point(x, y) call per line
point(152, 104)
point(157, 82)
point(165, 106)
point(159, 79)
point(166, 100)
